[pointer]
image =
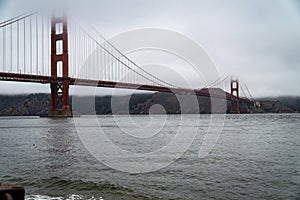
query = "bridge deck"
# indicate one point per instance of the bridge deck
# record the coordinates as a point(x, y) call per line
point(110, 84)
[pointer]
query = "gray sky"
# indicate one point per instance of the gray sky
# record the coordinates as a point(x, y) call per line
point(258, 41)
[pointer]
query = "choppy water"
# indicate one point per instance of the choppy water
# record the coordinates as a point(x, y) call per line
point(256, 157)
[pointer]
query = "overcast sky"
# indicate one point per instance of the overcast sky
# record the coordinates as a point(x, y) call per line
point(258, 41)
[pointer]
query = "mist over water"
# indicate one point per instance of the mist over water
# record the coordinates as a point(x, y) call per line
point(256, 157)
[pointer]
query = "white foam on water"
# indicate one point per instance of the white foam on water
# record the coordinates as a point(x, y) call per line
point(71, 197)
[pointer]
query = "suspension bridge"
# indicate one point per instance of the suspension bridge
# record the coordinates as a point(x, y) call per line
point(51, 50)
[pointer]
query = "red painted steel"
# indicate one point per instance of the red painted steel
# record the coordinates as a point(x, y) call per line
point(110, 84)
point(59, 83)
point(234, 91)
point(59, 90)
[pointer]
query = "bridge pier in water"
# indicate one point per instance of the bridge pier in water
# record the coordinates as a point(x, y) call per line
point(60, 90)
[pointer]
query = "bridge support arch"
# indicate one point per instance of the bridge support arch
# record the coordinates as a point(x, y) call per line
point(59, 100)
point(235, 104)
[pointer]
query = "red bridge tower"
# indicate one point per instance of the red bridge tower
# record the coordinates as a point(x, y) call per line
point(235, 104)
point(59, 62)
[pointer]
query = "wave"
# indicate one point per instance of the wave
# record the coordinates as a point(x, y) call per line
point(70, 197)
point(56, 188)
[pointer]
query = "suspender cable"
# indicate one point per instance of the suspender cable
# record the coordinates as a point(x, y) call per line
point(103, 38)
point(4, 48)
point(18, 46)
point(15, 19)
point(249, 92)
point(48, 46)
point(37, 45)
point(75, 51)
point(43, 53)
point(31, 54)
point(24, 46)
point(124, 64)
point(71, 58)
point(11, 47)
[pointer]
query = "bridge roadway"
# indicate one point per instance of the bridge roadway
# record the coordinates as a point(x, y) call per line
point(110, 84)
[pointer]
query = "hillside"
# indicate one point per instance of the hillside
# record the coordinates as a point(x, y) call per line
point(38, 104)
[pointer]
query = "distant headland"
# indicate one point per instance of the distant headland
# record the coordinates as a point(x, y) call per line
point(38, 104)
